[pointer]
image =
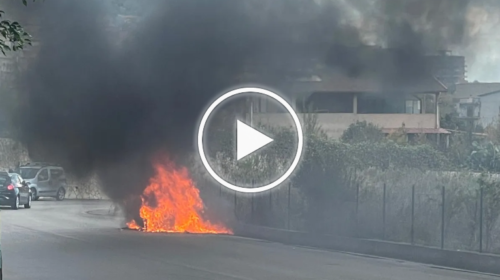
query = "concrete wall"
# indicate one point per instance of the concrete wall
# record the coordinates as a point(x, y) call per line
point(456, 259)
point(336, 124)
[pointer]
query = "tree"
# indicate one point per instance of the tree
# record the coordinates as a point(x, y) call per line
point(14, 37)
point(362, 132)
point(399, 136)
point(485, 157)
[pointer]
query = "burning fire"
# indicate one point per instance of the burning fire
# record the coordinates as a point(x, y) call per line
point(172, 203)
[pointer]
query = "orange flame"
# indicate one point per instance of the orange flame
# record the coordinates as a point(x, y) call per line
point(172, 203)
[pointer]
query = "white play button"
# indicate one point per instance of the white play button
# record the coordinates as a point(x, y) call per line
point(248, 140)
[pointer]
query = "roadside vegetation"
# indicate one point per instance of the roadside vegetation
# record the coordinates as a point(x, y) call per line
point(340, 186)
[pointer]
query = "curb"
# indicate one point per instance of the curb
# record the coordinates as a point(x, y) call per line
point(472, 261)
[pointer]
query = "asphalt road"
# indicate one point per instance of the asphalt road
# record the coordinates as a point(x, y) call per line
point(78, 240)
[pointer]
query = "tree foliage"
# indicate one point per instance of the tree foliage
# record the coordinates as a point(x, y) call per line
point(484, 155)
point(362, 132)
point(14, 37)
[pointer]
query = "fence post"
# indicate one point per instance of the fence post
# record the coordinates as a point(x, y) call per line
point(383, 211)
point(270, 200)
point(412, 230)
point(442, 215)
point(357, 209)
point(270, 211)
point(235, 205)
point(252, 218)
point(481, 197)
point(288, 208)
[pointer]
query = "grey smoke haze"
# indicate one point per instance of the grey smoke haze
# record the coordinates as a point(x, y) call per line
point(97, 107)
point(466, 27)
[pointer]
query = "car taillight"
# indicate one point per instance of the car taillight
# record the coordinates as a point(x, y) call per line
point(10, 187)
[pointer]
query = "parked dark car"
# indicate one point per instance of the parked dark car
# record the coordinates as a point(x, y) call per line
point(14, 191)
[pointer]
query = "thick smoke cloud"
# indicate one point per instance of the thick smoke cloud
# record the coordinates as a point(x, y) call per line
point(412, 28)
point(466, 27)
point(98, 105)
point(95, 106)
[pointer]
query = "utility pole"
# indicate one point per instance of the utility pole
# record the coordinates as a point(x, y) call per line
point(471, 129)
point(472, 108)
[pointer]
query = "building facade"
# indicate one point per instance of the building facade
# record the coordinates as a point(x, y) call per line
point(339, 101)
point(480, 101)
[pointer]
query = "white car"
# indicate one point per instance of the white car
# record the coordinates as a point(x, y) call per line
point(44, 180)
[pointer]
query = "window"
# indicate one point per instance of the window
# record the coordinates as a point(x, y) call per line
point(56, 174)
point(412, 107)
point(29, 173)
point(44, 175)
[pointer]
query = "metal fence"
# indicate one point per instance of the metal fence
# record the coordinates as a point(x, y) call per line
point(435, 217)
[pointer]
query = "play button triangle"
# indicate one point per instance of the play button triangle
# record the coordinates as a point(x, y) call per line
point(248, 140)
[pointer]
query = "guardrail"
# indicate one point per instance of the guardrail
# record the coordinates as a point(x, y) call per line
point(456, 259)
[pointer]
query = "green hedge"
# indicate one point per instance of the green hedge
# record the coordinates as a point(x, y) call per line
point(326, 156)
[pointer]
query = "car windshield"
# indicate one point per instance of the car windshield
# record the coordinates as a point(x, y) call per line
point(29, 173)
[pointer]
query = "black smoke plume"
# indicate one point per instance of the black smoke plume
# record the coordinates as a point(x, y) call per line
point(95, 105)
point(101, 105)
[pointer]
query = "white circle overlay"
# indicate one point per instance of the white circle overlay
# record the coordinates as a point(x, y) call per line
point(290, 110)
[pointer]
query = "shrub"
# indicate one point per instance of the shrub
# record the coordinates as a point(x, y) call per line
point(362, 132)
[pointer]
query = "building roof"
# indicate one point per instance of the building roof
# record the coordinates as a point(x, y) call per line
point(475, 89)
point(335, 80)
point(466, 132)
point(370, 69)
point(410, 130)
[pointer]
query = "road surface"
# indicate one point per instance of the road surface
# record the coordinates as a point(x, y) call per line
point(78, 240)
